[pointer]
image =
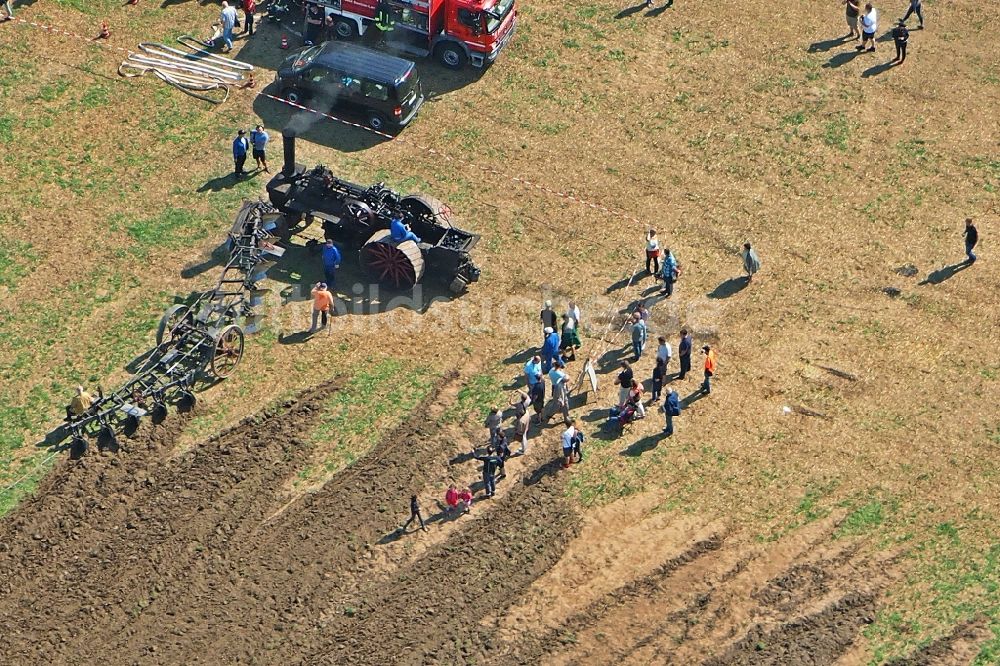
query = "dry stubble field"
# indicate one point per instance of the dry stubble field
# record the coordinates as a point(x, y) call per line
point(752, 536)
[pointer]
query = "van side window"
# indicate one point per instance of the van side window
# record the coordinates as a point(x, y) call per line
point(375, 90)
point(317, 74)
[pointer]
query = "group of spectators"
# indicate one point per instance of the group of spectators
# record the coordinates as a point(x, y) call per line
point(864, 24)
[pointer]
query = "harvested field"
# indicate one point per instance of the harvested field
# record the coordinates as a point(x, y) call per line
point(833, 501)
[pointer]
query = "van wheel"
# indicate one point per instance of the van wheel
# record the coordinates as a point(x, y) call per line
point(294, 96)
point(376, 122)
point(345, 29)
point(451, 56)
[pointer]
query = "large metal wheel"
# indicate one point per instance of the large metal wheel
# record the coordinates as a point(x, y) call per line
point(396, 265)
point(170, 321)
point(228, 351)
point(423, 204)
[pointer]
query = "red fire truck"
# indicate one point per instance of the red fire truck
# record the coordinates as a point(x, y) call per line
point(456, 32)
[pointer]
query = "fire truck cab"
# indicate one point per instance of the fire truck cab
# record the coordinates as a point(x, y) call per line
point(456, 32)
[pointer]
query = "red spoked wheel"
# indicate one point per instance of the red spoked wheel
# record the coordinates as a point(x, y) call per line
point(426, 205)
point(228, 351)
point(396, 265)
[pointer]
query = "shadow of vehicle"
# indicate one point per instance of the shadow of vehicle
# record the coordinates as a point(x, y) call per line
point(263, 51)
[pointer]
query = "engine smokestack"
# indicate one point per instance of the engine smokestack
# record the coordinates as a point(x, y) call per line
point(288, 143)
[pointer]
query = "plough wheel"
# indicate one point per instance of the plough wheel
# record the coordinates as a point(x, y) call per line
point(423, 204)
point(171, 319)
point(399, 266)
point(228, 351)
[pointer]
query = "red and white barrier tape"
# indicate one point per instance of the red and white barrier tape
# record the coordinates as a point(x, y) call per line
point(524, 182)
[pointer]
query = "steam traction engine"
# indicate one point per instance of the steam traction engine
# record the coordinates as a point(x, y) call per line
point(359, 217)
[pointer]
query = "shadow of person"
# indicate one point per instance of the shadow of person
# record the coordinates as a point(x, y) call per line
point(641, 446)
point(394, 535)
point(946, 273)
point(629, 11)
point(878, 69)
point(544, 470)
point(729, 287)
point(842, 59)
point(693, 398)
point(520, 357)
point(827, 44)
point(621, 284)
point(296, 338)
point(656, 11)
point(221, 183)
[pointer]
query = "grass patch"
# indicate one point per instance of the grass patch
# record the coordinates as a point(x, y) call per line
point(375, 399)
point(480, 393)
point(17, 258)
point(837, 132)
point(863, 519)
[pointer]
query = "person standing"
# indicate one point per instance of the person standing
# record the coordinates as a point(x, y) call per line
point(639, 333)
point(659, 372)
point(550, 348)
point(322, 305)
point(670, 272)
point(915, 8)
point(227, 18)
point(537, 395)
point(900, 35)
point(853, 9)
point(573, 311)
point(671, 408)
point(568, 442)
point(652, 252)
point(258, 141)
point(624, 382)
point(331, 262)
point(548, 316)
point(751, 262)
point(451, 498)
point(315, 16)
point(249, 8)
point(492, 423)
point(240, 148)
point(10, 12)
point(570, 341)
point(522, 419)
point(971, 238)
point(664, 352)
point(532, 370)
point(414, 515)
point(81, 402)
point(706, 386)
point(684, 352)
point(869, 24)
point(560, 395)
point(491, 464)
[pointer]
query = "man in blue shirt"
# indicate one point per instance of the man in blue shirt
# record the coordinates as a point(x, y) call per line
point(532, 369)
point(400, 232)
point(331, 262)
point(258, 139)
point(240, 148)
point(671, 408)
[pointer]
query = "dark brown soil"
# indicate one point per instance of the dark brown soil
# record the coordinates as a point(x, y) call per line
point(956, 648)
point(820, 638)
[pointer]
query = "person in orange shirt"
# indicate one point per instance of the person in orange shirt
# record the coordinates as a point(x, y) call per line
point(322, 304)
point(706, 386)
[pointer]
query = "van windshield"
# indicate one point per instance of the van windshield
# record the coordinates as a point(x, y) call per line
point(495, 15)
point(306, 57)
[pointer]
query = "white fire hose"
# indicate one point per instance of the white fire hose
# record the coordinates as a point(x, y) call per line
point(194, 72)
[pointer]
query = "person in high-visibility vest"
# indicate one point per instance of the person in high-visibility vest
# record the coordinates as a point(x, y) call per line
point(706, 386)
point(383, 18)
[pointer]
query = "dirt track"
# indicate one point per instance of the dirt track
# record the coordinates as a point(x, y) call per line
point(149, 558)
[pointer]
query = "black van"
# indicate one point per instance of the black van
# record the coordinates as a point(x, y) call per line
point(382, 88)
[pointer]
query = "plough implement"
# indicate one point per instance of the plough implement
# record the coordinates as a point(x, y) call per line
point(193, 342)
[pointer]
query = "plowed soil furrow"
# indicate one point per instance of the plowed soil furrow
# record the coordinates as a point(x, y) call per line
point(959, 648)
point(173, 514)
point(818, 639)
point(431, 611)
